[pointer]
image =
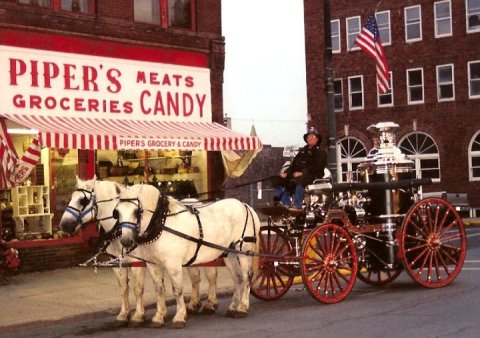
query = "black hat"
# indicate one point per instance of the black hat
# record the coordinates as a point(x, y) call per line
point(314, 132)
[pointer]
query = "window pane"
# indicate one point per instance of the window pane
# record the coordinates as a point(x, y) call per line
point(355, 85)
point(443, 18)
point(41, 3)
point(474, 79)
point(353, 28)
point(337, 95)
point(416, 94)
point(446, 91)
point(383, 22)
point(356, 100)
point(147, 11)
point(180, 14)
point(445, 74)
point(81, 6)
point(415, 78)
point(473, 15)
point(413, 22)
point(476, 161)
point(335, 31)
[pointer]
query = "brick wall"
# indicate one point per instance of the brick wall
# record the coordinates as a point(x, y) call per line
point(451, 124)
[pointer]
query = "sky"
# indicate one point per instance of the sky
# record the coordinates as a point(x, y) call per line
point(264, 77)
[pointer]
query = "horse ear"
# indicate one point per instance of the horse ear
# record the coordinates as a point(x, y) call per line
point(118, 188)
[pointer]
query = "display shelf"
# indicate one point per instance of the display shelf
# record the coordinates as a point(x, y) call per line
point(31, 210)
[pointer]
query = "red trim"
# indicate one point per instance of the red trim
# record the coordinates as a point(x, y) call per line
point(74, 240)
point(70, 44)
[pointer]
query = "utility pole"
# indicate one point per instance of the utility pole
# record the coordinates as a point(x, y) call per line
point(331, 127)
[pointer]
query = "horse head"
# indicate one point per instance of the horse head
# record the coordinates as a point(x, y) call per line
point(128, 214)
point(82, 207)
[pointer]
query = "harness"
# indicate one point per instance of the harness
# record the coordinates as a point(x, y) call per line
point(157, 226)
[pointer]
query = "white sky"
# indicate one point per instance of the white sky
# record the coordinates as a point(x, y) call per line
point(264, 82)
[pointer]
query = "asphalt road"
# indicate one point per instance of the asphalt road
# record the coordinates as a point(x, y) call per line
point(400, 309)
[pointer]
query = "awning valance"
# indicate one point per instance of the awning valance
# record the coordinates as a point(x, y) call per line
point(112, 134)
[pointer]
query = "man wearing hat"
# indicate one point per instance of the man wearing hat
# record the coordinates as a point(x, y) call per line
point(308, 165)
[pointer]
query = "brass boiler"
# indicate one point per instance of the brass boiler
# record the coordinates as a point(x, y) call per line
point(387, 164)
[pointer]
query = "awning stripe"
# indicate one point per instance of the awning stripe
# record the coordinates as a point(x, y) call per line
point(87, 133)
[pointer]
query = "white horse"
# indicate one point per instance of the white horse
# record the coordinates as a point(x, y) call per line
point(96, 200)
point(227, 225)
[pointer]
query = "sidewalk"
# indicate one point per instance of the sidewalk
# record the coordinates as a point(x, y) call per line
point(65, 293)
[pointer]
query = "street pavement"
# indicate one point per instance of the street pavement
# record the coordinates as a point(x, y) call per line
point(63, 294)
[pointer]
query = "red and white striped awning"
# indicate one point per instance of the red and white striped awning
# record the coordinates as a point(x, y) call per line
point(88, 133)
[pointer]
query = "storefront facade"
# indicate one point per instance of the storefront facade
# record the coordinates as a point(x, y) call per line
point(110, 91)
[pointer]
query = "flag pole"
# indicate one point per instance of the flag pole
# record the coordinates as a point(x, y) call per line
point(331, 126)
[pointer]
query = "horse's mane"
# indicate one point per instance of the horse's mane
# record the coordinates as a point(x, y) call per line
point(175, 205)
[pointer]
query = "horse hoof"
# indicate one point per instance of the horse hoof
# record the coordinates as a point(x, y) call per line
point(154, 325)
point(135, 323)
point(236, 314)
point(209, 310)
point(178, 325)
point(194, 309)
point(121, 323)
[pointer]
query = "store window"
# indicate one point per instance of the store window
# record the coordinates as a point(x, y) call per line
point(350, 152)
point(181, 172)
point(355, 92)
point(413, 23)
point(443, 18)
point(474, 158)
point(415, 85)
point(177, 14)
point(423, 151)
point(353, 29)
point(336, 36)
point(445, 83)
point(386, 99)
point(338, 95)
point(383, 23)
point(474, 79)
point(473, 15)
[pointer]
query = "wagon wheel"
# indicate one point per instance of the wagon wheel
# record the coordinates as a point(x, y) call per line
point(378, 277)
point(273, 279)
point(329, 263)
point(433, 243)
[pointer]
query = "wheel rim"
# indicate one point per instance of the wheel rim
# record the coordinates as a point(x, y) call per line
point(329, 265)
point(433, 243)
point(273, 280)
point(378, 277)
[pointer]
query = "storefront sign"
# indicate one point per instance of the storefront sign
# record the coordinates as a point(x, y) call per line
point(48, 83)
point(161, 143)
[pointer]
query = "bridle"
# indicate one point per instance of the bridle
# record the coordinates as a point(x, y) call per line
point(133, 226)
point(88, 197)
point(79, 214)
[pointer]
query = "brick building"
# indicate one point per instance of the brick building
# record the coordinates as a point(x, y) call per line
point(127, 90)
point(434, 60)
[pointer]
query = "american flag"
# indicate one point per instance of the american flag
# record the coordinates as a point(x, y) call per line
point(369, 40)
point(14, 170)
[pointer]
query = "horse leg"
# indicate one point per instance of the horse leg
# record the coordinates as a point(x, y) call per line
point(122, 279)
point(138, 278)
point(212, 302)
point(176, 278)
point(156, 272)
point(245, 269)
point(194, 304)
point(240, 277)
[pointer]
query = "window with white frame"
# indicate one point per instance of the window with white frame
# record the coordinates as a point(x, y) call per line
point(338, 94)
point(474, 158)
point(355, 92)
point(443, 18)
point(423, 151)
point(413, 23)
point(177, 13)
point(336, 38)
point(445, 83)
point(474, 79)
point(383, 23)
point(76, 6)
point(415, 85)
point(350, 152)
point(472, 8)
point(386, 100)
point(353, 28)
